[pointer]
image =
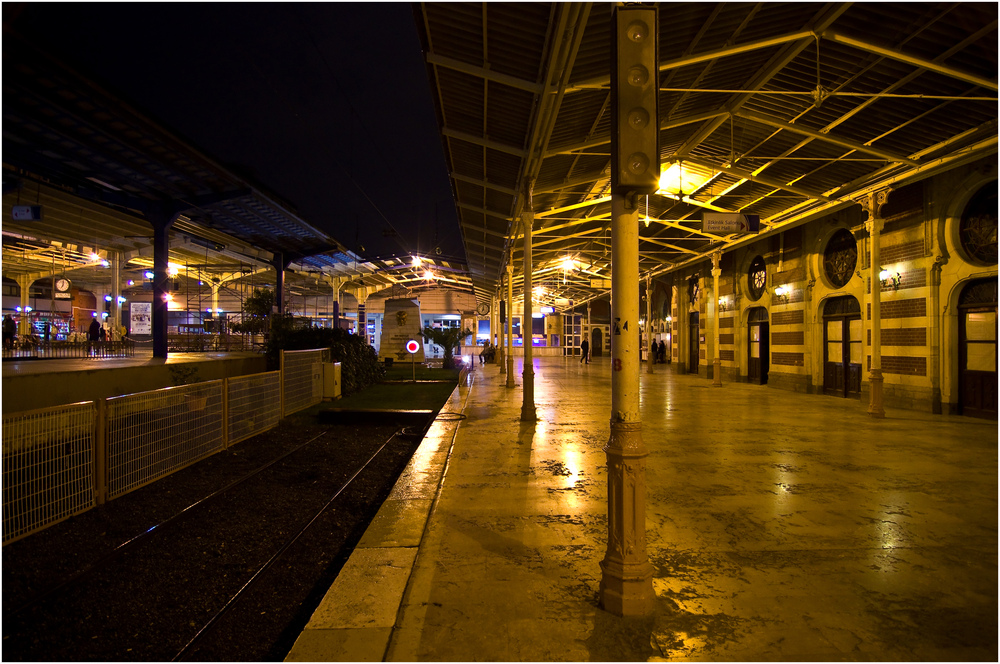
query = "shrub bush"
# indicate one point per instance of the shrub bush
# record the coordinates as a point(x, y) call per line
point(359, 361)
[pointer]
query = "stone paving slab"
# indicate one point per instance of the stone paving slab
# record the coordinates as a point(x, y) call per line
point(780, 526)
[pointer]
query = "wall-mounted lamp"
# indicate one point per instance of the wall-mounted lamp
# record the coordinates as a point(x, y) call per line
point(782, 293)
point(887, 277)
point(148, 274)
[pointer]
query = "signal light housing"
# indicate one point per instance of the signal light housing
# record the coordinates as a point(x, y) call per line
point(635, 83)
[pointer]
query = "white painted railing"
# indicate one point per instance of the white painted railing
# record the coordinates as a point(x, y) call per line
point(64, 460)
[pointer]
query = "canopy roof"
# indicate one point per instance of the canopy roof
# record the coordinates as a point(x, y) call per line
point(787, 111)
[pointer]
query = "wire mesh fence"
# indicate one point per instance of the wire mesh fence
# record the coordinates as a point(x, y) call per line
point(302, 375)
point(152, 434)
point(48, 467)
point(61, 461)
point(254, 405)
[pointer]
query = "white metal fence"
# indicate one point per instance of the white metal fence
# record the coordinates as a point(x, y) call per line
point(302, 379)
point(254, 404)
point(61, 461)
point(152, 434)
point(48, 467)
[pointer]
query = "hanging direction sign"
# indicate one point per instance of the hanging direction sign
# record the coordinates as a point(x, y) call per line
point(600, 283)
point(730, 222)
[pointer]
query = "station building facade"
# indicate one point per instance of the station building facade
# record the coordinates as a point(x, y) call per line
point(794, 310)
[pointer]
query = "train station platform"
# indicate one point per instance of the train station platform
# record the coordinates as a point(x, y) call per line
point(780, 526)
point(29, 384)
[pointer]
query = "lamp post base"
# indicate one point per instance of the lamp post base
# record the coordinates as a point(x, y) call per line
point(875, 408)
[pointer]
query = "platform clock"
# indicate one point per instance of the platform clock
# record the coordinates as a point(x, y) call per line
point(62, 285)
point(483, 309)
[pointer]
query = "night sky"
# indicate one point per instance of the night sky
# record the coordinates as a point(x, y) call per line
point(326, 105)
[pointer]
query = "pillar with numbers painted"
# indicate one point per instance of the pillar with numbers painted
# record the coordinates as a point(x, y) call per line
point(626, 587)
point(627, 577)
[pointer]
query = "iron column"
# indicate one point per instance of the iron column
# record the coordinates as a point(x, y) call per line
point(528, 371)
point(717, 362)
point(510, 319)
point(627, 576)
point(872, 204)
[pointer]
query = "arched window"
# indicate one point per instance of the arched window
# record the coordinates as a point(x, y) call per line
point(840, 257)
point(756, 278)
point(978, 228)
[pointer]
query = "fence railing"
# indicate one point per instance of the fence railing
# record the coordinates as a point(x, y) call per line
point(302, 378)
point(48, 467)
point(254, 405)
point(54, 350)
point(61, 461)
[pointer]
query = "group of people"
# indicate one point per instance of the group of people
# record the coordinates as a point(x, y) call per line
point(658, 354)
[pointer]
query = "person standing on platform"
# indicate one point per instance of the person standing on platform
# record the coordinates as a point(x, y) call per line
point(652, 352)
point(663, 352)
point(9, 330)
point(93, 335)
point(584, 352)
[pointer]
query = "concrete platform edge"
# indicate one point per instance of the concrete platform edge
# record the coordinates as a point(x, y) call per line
point(355, 619)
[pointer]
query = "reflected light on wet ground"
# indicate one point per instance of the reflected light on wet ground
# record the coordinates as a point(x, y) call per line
point(779, 525)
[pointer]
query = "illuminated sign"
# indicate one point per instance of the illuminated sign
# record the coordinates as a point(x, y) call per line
point(412, 346)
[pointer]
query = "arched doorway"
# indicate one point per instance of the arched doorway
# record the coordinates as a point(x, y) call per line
point(596, 342)
point(759, 352)
point(843, 346)
point(977, 349)
point(694, 343)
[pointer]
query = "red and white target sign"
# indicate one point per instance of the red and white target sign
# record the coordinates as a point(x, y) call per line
point(412, 346)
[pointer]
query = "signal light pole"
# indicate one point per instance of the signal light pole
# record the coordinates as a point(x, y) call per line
point(626, 587)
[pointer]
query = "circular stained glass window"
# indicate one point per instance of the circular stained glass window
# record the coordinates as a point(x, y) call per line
point(978, 229)
point(757, 278)
point(840, 257)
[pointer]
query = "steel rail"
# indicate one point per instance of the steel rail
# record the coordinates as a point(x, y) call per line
point(281, 550)
point(119, 550)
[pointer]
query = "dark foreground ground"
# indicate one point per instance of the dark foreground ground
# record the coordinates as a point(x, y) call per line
point(149, 604)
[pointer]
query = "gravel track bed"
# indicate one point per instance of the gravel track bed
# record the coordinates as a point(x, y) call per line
point(150, 602)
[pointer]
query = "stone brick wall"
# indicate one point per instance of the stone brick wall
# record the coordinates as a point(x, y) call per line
point(788, 359)
point(911, 308)
point(906, 336)
point(787, 317)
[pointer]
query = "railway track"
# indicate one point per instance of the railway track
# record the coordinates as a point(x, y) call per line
point(231, 576)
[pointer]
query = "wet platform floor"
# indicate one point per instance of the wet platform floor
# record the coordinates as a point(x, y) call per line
point(780, 526)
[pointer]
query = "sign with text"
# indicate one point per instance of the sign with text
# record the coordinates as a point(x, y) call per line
point(600, 283)
point(730, 222)
point(141, 316)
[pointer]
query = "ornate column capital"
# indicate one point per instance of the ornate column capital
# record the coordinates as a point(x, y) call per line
point(716, 259)
point(872, 203)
